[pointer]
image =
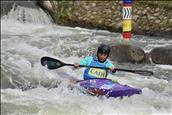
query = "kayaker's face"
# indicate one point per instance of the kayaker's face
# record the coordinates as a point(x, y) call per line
point(102, 57)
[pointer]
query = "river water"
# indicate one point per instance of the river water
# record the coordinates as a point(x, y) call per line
point(29, 88)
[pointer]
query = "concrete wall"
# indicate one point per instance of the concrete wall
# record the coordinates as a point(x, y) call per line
point(148, 18)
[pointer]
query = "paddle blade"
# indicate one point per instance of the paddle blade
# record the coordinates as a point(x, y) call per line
point(141, 72)
point(51, 63)
point(145, 73)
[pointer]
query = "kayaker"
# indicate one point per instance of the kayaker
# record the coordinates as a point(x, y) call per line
point(100, 60)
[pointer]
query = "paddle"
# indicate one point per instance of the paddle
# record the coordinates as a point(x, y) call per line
point(52, 63)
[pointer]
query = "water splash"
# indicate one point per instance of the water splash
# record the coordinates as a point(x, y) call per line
point(21, 51)
point(28, 15)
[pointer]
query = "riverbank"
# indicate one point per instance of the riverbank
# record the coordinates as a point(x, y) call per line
point(148, 18)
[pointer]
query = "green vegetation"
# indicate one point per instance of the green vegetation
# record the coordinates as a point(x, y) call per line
point(62, 11)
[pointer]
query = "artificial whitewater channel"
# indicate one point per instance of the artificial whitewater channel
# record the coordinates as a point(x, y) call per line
point(29, 88)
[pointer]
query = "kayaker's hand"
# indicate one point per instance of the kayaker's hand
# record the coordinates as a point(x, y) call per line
point(76, 65)
point(113, 70)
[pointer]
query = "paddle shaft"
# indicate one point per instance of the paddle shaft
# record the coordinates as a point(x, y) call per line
point(142, 72)
point(85, 66)
point(55, 64)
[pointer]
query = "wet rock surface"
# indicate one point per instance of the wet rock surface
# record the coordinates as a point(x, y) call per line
point(162, 55)
point(127, 53)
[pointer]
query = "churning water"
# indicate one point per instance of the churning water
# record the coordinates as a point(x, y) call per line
point(29, 88)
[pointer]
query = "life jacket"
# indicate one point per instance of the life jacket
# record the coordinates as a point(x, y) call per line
point(90, 73)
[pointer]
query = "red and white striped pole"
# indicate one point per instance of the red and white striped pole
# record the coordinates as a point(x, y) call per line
point(127, 19)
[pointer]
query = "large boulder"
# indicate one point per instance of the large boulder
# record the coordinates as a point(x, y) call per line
point(49, 5)
point(125, 53)
point(161, 55)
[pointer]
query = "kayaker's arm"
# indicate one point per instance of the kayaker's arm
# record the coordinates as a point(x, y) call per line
point(111, 67)
point(86, 61)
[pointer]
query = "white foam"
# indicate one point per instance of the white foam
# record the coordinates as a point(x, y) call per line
point(24, 44)
point(165, 67)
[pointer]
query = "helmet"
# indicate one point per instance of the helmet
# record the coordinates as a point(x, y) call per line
point(103, 49)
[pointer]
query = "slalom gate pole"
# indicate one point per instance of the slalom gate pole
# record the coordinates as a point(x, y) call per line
point(127, 19)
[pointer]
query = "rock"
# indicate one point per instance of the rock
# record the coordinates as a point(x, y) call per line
point(93, 4)
point(94, 13)
point(135, 17)
point(112, 24)
point(170, 21)
point(157, 21)
point(157, 9)
point(162, 55)
point(144, 12)
point(127, 53)
point(156, 14)
point(151, 17)
point(47, 5)
point(50, 6)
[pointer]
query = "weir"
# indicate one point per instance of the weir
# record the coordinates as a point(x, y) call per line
point(24, 11)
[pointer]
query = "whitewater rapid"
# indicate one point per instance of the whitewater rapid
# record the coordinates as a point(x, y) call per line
point(29, 88)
